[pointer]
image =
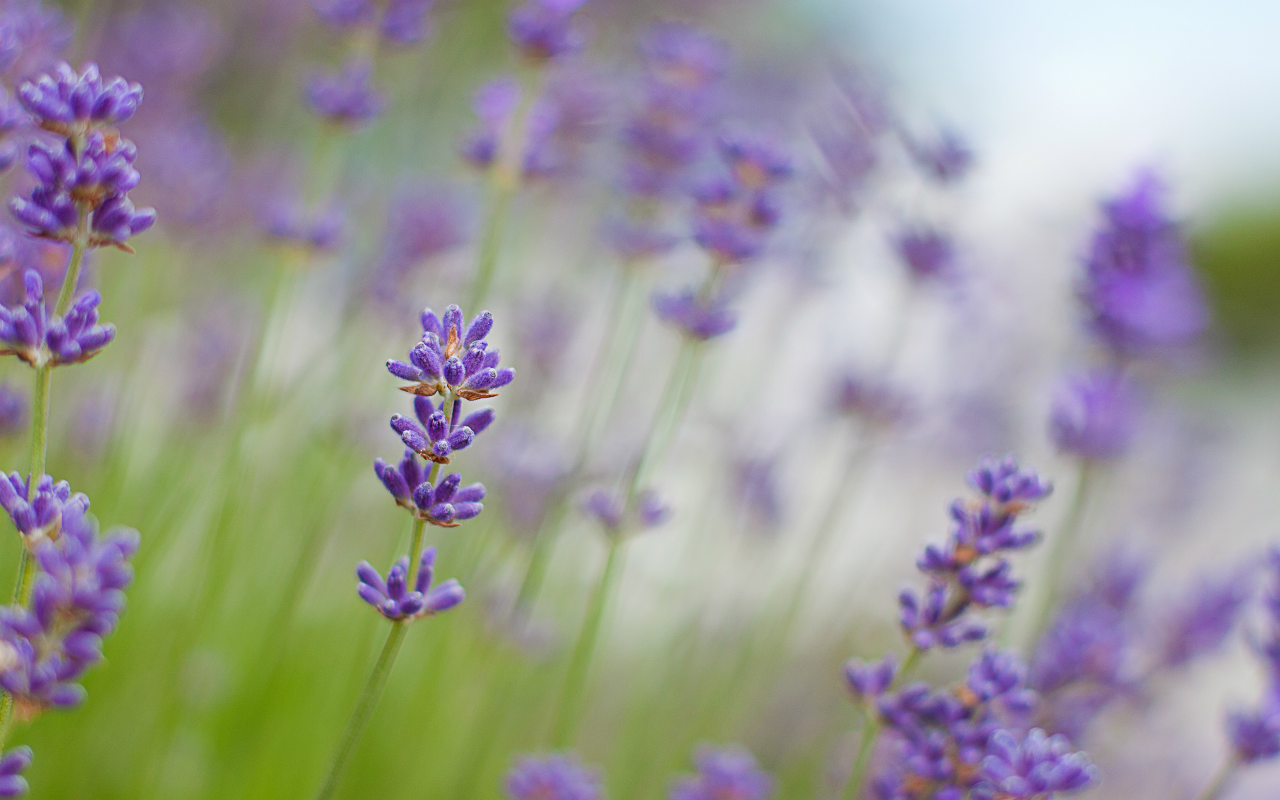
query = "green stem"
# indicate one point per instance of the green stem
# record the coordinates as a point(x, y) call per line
point(1218, 782)
point(25, 582)
point(364, 709)
point(576, 677)
point(667, 419)
point(415, 538)
point(871, 729)
point(621, 336)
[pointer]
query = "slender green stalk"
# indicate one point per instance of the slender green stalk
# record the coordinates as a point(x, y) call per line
point(667, 419)
point(504, 181)
point(1061, 549)
point(576, 678)
point(871, 730)
point(621, 336)
point(364, 709)
point(1213, 789)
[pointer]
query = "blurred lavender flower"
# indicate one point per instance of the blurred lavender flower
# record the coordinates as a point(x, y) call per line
point(35, 37)
point(168, 47)
point(347, 97)
point(543, 30)
point(609, 509)
point(945, 160)
point(869, 399)
point(421, 224)
point(344, 14)
point(445, 505)
point(755, 485)
point(734, 216)
point(552, 777)
point(188, 169)
point(13, 411)
point(529, 469)
point(1140, 292)
point(1255, 734)
point(724, 772)
point(927, 253)
point(392, 597)
point(40, 515)
point(1032, 768)
point(290, 222)
point(12, 765)
point(405, 22)
point(38, 338)
point(869, 681)
point(1081, 664)
point(1094, 415)
point(77, 600)
point(966, 572)
point(696, 318)
point(1202, 621)
point(452, 360)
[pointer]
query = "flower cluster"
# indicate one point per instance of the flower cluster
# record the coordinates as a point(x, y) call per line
point(1255, 734)
point(83, 181)
point(392, 596)
point(735, 213)
point(38, 514)
point(553, 777)
point(1094, 415)
point(1140, 292)
point(289, 222)
point(454, 361)
point(612, 512)
point(969, 569)
point(76, 601)
point(402, 22)
point(347, 97)
point(928, 253)
point(39, 338)
point(543, 30)
point(724, 772)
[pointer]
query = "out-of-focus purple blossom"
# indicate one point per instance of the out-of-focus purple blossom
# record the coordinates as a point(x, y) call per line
point(493, 103)
point(610, 510)
point(928, 253)
point(453, 359)
point(932, 622)
point(188, 169)
point(946, 159)
point(552, 777)
point(681, 55)
point(997, 674)
point(446, 504)
point(724, 772)
point(289, 221)
point(544, 30)
point(1094, 415)
point(1140, 292)
point(1031, 768)
point(868, 681)
point(696, 318)
point(76, 601)
point(167, 47)
point(1255, 735)
point(35, 37)
point(39, 515)
point(421, 224)
point(394, 600)
point(346, 97)
point(69, 103)
point(405, 22)
point(12, 765)
point(734, 216)
point(344, 14)
point(870, 399)
point(1201, 622)
point(13, 411)
point(544, 328)
point(849, 153)
point(755, 483)
point(39, 338)
point(756, 161)
point(636, 240)
point(1008, 486)
point(529, 469)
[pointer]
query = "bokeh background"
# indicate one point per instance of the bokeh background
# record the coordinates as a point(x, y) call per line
point(244, 645)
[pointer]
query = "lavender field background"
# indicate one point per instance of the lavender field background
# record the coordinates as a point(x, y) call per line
point(773, 278)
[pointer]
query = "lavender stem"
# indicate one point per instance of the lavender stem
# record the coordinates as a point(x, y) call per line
point(575, 679)
point(871, 729)
point(1218, 782)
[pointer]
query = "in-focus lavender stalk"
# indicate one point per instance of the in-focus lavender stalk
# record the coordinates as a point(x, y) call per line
point(452, 361)
point(70, 586)
point(968, 572)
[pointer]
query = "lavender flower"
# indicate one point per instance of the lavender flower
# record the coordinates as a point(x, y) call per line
point(927, 253)
point(734, 215)
point(35, 37)
point(1255, 734)
point(681, 56)
point(1031, 768)
point(453, 361)
point(347, 97)
point(392, 597)
point(946, 160)
point(12, 765)
point(421, 224)
point(13, 411)
point(445, 504)
point(39, 338)
point(543, 30)
point(434, 436)
point(344, 14)
point(1140, 292)
point(1094, 415)
point(868, 398)
point(290, 222)
point(89, 177)
point(405, 22)
point(724, 772)
point(69, 103)
point(611, 511)
point(552, 777)
point(695, 317)
point(40, 515)
point(1202, 622)
point(868, 681)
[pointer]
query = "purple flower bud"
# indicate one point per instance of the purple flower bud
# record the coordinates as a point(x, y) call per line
point(1094, 415)
point(553, 777)
point(347, 97)
point(870, 680)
